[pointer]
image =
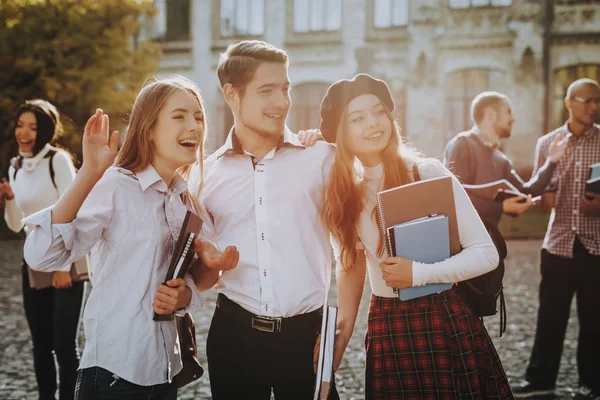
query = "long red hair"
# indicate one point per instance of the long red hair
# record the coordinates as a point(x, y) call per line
point(344, 193)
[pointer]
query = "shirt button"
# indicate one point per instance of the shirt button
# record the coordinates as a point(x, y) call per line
point(576, 179)
point(573, 228)
point(578, 164)
point(574, 211)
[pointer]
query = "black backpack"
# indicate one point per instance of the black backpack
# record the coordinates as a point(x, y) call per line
point(17, 162)
point(482, 292)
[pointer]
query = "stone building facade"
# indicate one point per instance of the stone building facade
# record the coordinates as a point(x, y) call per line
point(436, 55)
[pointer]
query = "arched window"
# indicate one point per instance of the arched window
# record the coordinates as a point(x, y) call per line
point(461, 87)
point(306, 100)
point(563, 77)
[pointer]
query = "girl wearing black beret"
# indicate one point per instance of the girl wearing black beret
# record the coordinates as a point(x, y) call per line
point(431, 346)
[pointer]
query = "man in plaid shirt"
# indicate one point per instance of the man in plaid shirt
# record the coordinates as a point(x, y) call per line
point(570, 259)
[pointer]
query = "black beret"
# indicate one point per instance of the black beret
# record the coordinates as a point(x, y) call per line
point(342, 92)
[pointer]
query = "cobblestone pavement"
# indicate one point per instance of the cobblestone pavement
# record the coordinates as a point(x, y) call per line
point(17, 380)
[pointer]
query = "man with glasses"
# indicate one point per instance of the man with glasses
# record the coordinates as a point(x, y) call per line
point(570, 259)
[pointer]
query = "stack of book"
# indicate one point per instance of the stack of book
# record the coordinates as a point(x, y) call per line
point(418, 222)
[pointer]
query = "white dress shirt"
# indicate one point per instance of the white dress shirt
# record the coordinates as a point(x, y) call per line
point(270, 209)
point(478, 255)
point(131, 221)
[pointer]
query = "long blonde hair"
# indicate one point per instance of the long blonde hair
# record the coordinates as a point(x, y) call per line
point(344, 193)
point(136, 152)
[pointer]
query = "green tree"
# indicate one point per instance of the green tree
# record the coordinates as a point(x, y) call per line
point(77, 54)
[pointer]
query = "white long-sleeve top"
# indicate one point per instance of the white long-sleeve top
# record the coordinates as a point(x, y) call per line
point(478, 255)
point(131, 223)
point(34, 190)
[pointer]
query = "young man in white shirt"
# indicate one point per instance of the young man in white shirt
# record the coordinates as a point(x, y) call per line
point(263, 192)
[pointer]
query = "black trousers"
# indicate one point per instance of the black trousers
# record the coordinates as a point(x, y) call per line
point(245, 363)
point(53, 319)
point(561, 279)
point(97, 383)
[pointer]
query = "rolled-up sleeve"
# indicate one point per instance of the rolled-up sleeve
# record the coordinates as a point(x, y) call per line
point(51, 247)
point(478, 255)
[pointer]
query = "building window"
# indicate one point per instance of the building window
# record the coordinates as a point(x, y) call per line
point(479, 3)
point(242, 18)
point(172, 21)
point(222, 123)
point(461, 87)
point(563, 77)
point(390, 13)
point(317, 15)
point(306, 99)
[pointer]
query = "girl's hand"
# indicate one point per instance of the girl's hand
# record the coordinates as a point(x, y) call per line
point(310, 137)
point(397, 272)
point(99, 150)
point(213, 258)
point(6, 190)
point(62, 280)
point(171, 297)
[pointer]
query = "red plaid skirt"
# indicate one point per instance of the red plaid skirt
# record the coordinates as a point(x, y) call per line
point(432, 347)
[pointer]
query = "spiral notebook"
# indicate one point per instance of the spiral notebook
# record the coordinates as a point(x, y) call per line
point(416, 200)
point(183, 255)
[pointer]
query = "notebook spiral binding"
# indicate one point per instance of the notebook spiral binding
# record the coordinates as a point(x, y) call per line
point(384, 235)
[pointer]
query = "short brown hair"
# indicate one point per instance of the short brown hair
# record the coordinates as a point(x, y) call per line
point(484, 100)
point(240, 61)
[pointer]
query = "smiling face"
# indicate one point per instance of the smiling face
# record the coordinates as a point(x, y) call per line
point(368, 128)
point(263, 105)
point(26, 132)
point(178, 132)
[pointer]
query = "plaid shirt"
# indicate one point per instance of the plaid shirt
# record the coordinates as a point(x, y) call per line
point(568, 181)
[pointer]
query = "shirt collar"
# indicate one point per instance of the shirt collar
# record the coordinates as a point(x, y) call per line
point(590, 132)
point(232, 144)
point(148, 177)
point(483, 138)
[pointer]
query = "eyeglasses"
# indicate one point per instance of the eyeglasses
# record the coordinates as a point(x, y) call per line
point(587, 100)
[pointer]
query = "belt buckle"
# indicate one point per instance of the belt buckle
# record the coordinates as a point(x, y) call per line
point(267, 324)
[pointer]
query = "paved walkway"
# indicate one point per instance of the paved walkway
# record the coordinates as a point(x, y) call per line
point(17, 380)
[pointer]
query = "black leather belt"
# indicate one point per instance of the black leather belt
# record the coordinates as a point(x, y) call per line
point(268, 324)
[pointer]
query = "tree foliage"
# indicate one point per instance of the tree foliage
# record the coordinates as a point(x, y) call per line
point(77, 54)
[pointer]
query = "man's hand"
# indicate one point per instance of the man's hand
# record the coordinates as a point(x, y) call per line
point(310, 137)
point(62, 280)
point(171, 297)
point(213, 258)
point(397, 272)
point(316, 353)
point(516, 205)
point(558, 147)
point(590, 204)
point(6, 190)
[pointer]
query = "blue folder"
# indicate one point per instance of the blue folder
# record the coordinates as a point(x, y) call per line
point(425, 240)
